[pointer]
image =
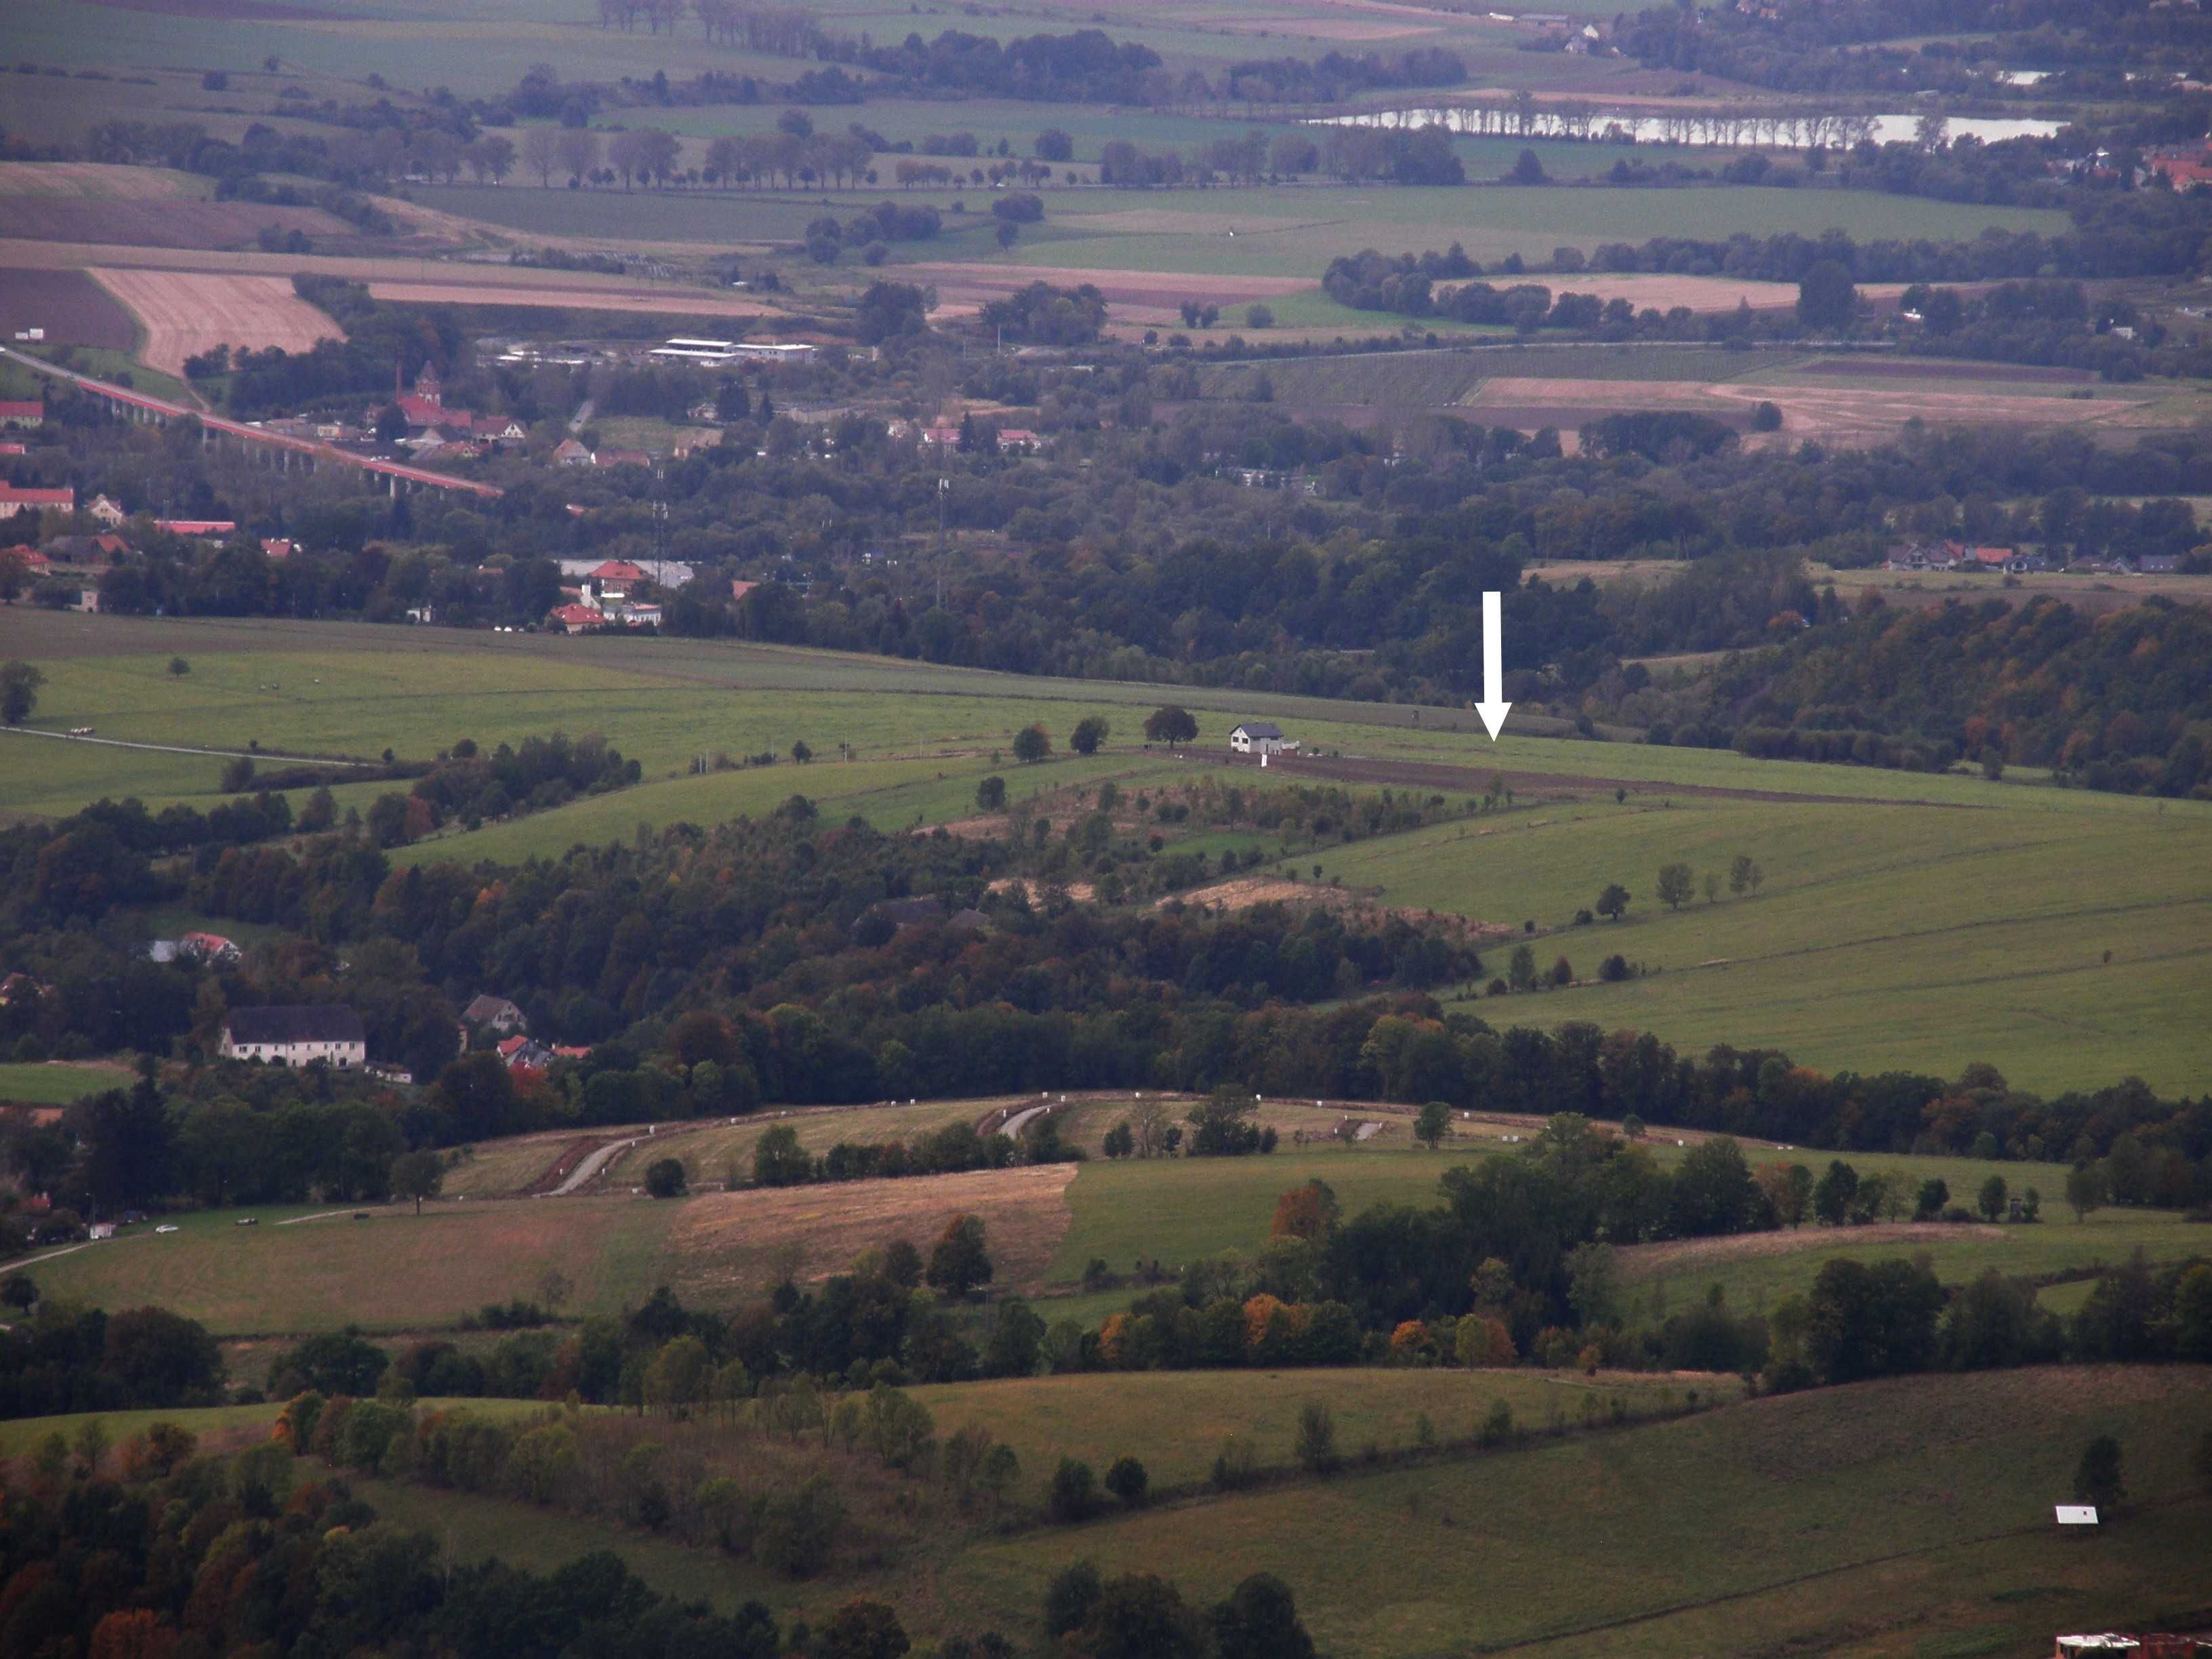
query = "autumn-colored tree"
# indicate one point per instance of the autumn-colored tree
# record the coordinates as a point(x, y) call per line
point(1257, 1312)
point(1481, 1340)
point(1410, 1344)
point(1306, 1211)
point(136, 1634)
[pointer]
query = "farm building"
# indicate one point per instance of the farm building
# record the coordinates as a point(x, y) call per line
point(13, 500)
point(194, 947)
point(495, 1014)
point(569, 453)
point(1260, 738)
point(331, 1035)
point(22, 412)
point(197, 526)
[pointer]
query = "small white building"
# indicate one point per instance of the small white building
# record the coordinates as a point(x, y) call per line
point(1260, 738)
point(330, 1034)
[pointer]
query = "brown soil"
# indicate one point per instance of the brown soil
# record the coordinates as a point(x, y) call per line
point(727, 1242)
point(1643, 1260)
point(1921, 368)
point(571, 1154)
point(1242, 892)
point(1418, 775)
point(156, 223)
point(68, 305)
point(1036, 892)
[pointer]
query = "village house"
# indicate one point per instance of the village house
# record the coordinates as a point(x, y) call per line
point(577, 618)
point(570, 453)
point(14, 500)
point(108, 512)
point(329, 1034)
point(621, 457)
point(278, 547)
point(197, 526)
point(522, 1054)
point(1260, 738)
point(495, 1014)
point(105, 548)
point(25, 412)
point(1019, 440)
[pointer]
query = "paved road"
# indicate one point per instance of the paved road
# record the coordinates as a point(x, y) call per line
point(593, 1163)
point(177, 749)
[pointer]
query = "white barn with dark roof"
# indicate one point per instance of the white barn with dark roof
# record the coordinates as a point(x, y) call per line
point(1260, 738)
point(330, 1034)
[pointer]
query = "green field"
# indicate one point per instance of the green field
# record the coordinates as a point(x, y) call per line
point(1908, 1518)
point(56, 1084)
point(1905, 921)
point(1845, 1520)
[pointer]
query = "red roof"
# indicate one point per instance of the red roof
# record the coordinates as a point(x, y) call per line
point(512, 1043)
point(64, 497)
point(32, 558)
point(197, 526)
point(15, 449)
point(578, 615)
point(277, 547)
point(618, 570)
point(426, 412)
point(739, 589)
point(17, 409)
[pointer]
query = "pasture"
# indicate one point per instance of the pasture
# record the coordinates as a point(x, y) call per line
point(1855, 1518)
point(1943, 919)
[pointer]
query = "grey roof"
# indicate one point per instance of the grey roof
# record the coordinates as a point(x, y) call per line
point(329, 1023)
point(488, 1006)
point(1261, 729)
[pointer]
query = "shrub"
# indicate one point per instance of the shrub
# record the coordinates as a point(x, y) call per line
point(666, 1178)
point(1316, 1443)
point(1074, 1491)
point(1126, 1480)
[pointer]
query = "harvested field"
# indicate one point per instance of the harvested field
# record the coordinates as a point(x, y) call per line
point(1136, 297)
point(233, 11)
point(98, 181)
point(1927, 368)
point(68, 305)
point(1832, 414)
point(1242, 892)
point(186, 312)
point(1698, 293)
point(1639, 1262)
point(695, 302)
point(732, 1243)
point(159, 224)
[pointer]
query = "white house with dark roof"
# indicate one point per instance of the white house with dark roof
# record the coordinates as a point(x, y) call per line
point(330, 1034)
point(1260, 738)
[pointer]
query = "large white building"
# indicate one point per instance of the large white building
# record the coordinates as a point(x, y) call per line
point(1260, 738)
point(296, 1036)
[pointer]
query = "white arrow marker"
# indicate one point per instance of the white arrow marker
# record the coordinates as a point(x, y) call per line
point(1493, 706)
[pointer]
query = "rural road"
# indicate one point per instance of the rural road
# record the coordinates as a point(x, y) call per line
point(175, 749)
point(591, 1163)
point(1012, 1128)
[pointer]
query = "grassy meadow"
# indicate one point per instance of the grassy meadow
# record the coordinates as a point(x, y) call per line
point(1905, 921)
point(55, 1084)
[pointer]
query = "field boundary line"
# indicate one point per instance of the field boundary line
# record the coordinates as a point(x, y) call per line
point(179, 749)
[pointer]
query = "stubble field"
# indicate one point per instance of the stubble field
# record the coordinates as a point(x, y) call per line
point(186, 312)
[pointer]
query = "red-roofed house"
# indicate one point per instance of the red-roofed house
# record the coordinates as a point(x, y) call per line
point(570, 453)
point(34, 562)
point(30, 412)
point(1018, 438)
point(277, 547)
point(13, 500)
point(577, 618)
point(209, 947)
point(621, 457)
point(1988, 558)
point(739, 589)
point(615, 578)
point(197, 526)
point(13, 448)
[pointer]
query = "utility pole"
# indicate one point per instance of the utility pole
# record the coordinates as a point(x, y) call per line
point(943, 489)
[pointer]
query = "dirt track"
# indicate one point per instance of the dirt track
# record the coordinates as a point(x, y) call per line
point(1421, 774)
